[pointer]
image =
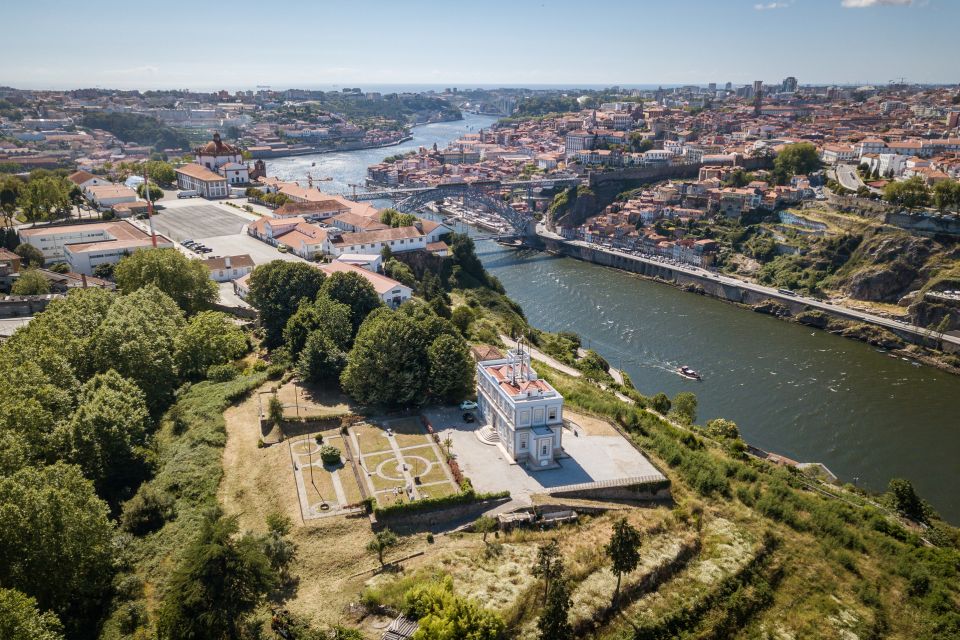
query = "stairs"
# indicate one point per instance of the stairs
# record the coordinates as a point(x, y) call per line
point(488, 435)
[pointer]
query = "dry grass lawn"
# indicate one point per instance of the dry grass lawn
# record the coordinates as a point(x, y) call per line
point(371, 438)
point(312, 400)
point(590, 425)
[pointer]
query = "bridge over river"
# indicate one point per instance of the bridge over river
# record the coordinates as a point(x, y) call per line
point(485, 194)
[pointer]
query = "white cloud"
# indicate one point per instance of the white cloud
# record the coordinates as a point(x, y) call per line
point(767, 6)
point(863, 4)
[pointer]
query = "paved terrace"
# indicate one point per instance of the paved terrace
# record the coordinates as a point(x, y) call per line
point(597, 453)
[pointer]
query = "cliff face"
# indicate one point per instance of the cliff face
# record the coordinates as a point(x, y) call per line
point(886, 266)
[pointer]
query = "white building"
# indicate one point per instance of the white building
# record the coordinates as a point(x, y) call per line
point(229, 268)
point(525, 412)
point(104, 196)
point(398, 239)
point(85, 246)
point(391, 292)
point(195, 177)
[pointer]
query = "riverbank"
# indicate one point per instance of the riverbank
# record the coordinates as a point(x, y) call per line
point(850, 323)
point(289, 153)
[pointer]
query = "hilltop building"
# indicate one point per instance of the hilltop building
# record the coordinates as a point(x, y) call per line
point(523, 412)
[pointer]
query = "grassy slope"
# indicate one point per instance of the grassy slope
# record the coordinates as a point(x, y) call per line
point(188, 467)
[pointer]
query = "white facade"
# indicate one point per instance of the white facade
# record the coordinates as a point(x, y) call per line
point(525, 411)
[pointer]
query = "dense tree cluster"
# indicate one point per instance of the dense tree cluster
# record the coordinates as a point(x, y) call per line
point(83, 386)
point(795, 159)
point(136, 127)
point(186, 281)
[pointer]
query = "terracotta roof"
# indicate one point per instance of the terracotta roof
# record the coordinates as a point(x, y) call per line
point(79, 177)
point(236, 262)
point(380, 235)
point(363, 222)
point(217, 147)
point(381, 283)
point(197, 172)
point(301, 208)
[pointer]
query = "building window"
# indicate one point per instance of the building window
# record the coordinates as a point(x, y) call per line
point(552, 414)
point(523, 442)
point(543, 450)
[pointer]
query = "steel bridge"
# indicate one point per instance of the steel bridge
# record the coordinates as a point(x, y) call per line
point(484, 194)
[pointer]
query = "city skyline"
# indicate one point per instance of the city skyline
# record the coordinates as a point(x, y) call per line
point(522, 44)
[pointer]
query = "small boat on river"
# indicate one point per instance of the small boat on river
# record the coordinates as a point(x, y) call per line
point(689, 373)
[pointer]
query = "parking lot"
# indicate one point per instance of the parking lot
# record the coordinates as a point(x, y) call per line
point(197, 221)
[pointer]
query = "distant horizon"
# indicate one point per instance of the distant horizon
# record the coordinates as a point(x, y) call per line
point(421, 87)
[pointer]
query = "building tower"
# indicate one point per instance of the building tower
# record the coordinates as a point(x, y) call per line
point(757, 96)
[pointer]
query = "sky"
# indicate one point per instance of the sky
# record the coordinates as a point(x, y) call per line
point(241, 44)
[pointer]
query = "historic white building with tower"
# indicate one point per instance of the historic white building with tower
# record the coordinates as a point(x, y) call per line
point(520, 410)
point(223, 158)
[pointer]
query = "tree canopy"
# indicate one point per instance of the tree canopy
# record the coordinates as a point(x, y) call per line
point(911, 193)
point(30, 283)
point(355, 291)
point(276, 290)
point(796, 159)
point(186, 281)
point(209, 338)
point(20, 619)
point(221, 578)
point(55, 540)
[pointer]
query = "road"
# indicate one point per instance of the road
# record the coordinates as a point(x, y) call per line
point(776, 294)
point(848, 178)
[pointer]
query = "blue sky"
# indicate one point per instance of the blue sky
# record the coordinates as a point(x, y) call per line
point(240, 44)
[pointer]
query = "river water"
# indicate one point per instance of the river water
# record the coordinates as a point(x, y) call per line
point(805, 394)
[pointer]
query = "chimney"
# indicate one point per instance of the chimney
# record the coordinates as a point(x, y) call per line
point(226, 262)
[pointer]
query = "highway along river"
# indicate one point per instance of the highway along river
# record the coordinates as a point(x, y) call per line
point(805, 394)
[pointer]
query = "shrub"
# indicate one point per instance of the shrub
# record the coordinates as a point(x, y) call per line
point(147, 511)
point(329, 454)
point(442, 502)
point(222, 373)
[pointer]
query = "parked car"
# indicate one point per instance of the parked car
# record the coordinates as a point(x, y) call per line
point(468, 405)
point(282, 248)
point(468, 417)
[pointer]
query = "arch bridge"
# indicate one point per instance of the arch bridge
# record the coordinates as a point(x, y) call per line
point(478, 194)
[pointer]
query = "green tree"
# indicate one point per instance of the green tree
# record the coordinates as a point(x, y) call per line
point(722, 428)
point(444, 615)
point(162, 172)
point(276, 289)
point(684, 407)
point(387, 365)
point(321, 360)
point(462, 318)
point(278, 548)
point(275, 410)
point(56, 542)
point(30, 283)
point(20, 619)
point(136, 338)
point(333, 318)
point(186, 281)
point(660, 403)
point(451, 368)
point(910, 193)
point(106, 435)
point(10, 188)
point(355, 291)
point(623, 551)
point(32, 257)
point(399, 271)
point(946, 195)
point(43, 198)
point(905, 499)
point(796, 159)
point(554, 623)
point(485, 525)
point(221, 579)
point(382, 540)
point(209, 338)
point(104, 270)
point(156, 193)
point(548, 564)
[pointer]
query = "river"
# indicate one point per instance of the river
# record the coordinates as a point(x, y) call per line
point(805, 394)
